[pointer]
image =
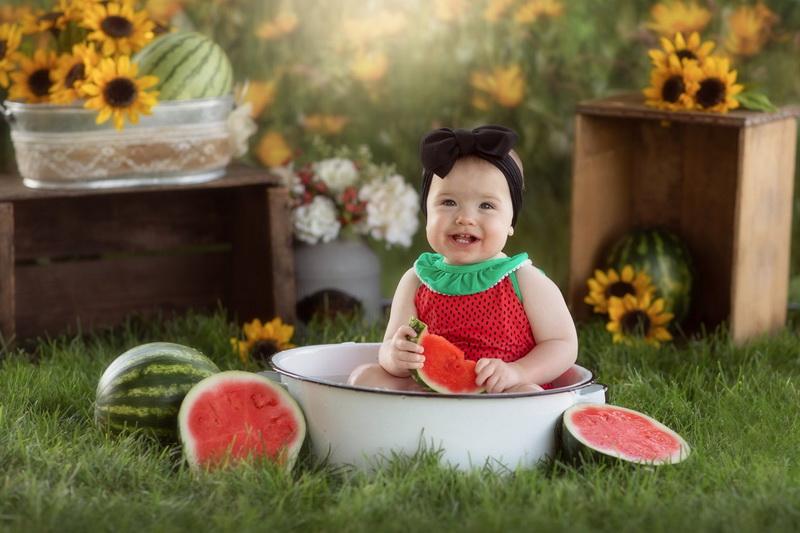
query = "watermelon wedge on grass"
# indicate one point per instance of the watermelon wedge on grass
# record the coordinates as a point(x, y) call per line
point(603, 430)
point(445, 369)
point(233, 416)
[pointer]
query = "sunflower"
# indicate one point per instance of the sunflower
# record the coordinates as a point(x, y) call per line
point(673, 17)
point(72, 72)
point(673, 87)
point(684, 49)
point(263, 340)
point(638, 319)
point(325, 124)
point(717, 87)
point(10, 37)
point(369, 67)
point(609, 284)
point(750, 29)
point(117, 27)
point(496, 9)
point(32, 81)
point(39, 20)
point(273, 150)
point(283, 24)
point(504, 85)
point(531, 10)
point(114, 89)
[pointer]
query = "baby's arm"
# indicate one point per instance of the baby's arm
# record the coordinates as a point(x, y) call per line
point(553, 328)
point(397, 354)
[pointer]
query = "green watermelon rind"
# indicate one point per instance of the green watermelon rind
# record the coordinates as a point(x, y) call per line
point(189, 443)
point(144, 387)
point(665, 258)
point(188, 65)
point(575, 447)
point(418, 374)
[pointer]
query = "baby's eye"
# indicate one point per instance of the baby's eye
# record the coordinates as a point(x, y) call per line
point(486, 205)
point(448, 202)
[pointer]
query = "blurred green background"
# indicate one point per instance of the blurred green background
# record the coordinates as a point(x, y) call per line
point(382, 73)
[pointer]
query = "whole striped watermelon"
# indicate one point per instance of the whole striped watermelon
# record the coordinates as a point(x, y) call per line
point(144, 387)
point(666, 260)
point(188, 65)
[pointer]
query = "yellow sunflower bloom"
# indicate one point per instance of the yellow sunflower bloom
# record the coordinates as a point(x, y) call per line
point(750, 28)
point(638, 319)
point(450, 10)
point(13, 14)
point(325, 124)
point(263, 340)
point(673, 87)
point(496, 9)
point(273, 150)
point(10, 37)
point(115, 91)
point(260, 94)
point(283, 24)
point(369, 67)
point(676, 16)
point(606, 285)
point(117, 28)
point(717, 87)
point(504, 85)
point(34, 78)
point(39, 20)
point(685, 49)
point(531, 10)
point(72, 72)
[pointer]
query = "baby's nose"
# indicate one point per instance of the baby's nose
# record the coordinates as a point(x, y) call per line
point(465, 220)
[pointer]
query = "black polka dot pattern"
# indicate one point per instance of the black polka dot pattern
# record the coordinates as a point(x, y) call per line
point(490, 324)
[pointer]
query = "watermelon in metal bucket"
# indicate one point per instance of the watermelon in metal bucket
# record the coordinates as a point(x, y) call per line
point(604, 430)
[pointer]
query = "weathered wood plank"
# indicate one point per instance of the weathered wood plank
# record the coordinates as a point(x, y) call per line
point(632, 106)
point(81, 226)
point(281, 255)
point(11, 187)
point(762, 229)
point(54, 297)
point(7, 277)
point(601, 198)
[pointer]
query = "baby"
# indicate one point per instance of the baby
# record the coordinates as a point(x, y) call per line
point(501, 311)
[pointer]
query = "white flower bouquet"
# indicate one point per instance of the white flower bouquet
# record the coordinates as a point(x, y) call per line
point(347, 192)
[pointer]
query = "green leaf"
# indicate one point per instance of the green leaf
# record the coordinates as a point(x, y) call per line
point(756, 101)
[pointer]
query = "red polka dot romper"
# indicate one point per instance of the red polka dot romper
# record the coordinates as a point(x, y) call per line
point(476, 307)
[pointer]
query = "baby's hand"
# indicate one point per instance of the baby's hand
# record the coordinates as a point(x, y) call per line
point(495, 375)
point(399, 355)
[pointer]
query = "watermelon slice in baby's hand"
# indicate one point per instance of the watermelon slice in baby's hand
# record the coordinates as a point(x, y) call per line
point(445, 369)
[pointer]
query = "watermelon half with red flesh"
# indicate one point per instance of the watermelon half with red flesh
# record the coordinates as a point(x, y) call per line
point(235, 415)
point(612, 431)
point(445, 369)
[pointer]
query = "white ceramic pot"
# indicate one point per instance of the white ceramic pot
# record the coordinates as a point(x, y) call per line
point(346, 264)
point(357, 425)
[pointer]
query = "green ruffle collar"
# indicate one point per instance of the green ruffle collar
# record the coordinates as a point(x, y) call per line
point(460, 280)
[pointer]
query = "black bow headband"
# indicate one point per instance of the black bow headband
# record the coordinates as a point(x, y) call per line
point(440, 149)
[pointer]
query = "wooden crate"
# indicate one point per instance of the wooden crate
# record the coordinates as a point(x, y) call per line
point(723, 183)
point(84, 259)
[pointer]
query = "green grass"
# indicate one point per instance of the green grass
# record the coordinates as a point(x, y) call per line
point(736, 406)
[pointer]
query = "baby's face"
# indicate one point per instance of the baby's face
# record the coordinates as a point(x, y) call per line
point(469, 212)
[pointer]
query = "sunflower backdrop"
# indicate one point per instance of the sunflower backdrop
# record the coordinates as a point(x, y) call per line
point(384, 72)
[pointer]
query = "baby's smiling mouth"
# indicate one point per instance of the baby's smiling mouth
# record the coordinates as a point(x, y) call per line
point(464, 238)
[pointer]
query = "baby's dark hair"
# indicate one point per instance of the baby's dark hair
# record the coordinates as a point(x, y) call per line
point(441, 148)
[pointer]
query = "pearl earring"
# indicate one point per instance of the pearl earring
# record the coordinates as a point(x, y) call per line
point(510, 232)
